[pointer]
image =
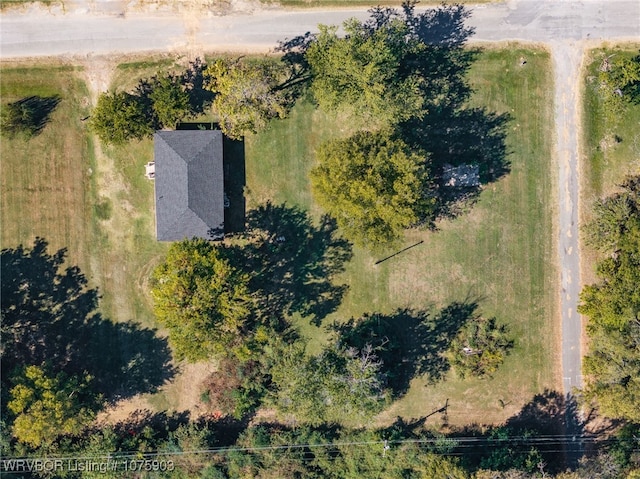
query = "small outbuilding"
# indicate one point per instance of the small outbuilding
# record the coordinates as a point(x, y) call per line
point(189, 184)
point(463, 176)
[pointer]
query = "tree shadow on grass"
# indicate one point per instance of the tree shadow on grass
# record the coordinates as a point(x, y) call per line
point(292, 262)
point(28, 115)
point(458, 138)
point(552, 414)
point(409, 343)
point(546, 432)
point(49, 315)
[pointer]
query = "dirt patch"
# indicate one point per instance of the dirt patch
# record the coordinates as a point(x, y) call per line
point(181, 394)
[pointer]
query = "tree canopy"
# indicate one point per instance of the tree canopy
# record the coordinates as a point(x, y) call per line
point(395, 66)
point(479, 348)
point(46, 406)
point(339, 384)
point(169, 101)
point(158, 102)
point(363, 73)
point(613, 304)
point(120, 117)
point(201, 299)
point(619, 83)
point(374, 185)
point(247, 94)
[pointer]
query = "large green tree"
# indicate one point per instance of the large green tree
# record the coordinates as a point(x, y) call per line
point(120, 117)
point(46, 405)
point(201, 299)
point(613, 305)
point(248, 94)
point(374, 186)
point(337, 385)
point(393, 67)
point(363, 73)
point(479, 348)
point(169, 101)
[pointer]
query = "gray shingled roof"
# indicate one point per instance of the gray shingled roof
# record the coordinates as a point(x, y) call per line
point(189, 184)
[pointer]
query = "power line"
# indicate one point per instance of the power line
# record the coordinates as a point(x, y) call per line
point(468, 442)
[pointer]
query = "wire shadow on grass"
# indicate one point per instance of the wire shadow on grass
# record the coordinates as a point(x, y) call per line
point(49, 315)
point(292, 261)
point(409, 343)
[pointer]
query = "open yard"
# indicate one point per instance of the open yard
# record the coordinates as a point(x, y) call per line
point(501, 253)
point(611, 149)
point(96, 202)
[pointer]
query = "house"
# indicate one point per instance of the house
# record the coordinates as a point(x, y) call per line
point(189, 184)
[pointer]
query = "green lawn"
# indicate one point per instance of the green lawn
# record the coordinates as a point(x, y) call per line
point(611, 151)
point(48, 181)
point(95, 201)
point(61, 186)
point(502, 252)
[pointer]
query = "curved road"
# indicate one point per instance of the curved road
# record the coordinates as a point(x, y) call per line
point(97, 27)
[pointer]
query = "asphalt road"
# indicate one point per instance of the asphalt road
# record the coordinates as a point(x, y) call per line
point(101, 27)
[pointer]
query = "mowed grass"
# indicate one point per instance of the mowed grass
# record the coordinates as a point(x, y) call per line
point(47, 180)
point(92, 200)
point(501, 253)
point(612, 150)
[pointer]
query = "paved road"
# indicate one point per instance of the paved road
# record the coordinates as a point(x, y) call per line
point(107, 26)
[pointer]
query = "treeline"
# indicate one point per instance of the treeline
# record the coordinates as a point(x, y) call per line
point(612, 366)
point(162, 446)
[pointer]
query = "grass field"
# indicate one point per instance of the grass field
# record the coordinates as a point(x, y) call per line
point(61, 186)
point(502, 252)
point(610, 151)
point(48, 181)
point(97, 202)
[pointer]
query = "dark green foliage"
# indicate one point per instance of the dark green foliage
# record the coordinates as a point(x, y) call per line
point(392, 67)
point(248, 94)
point(619, 83)
point(201, 299)
point(334, 454)
point(27, 116)
point(408, 343)
point(479, 348)
point(120, 117)
point(169, 101)
point(339, 384)
point(374, 185)
point(159, 102)
point(402, 72)
point(613, 305)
